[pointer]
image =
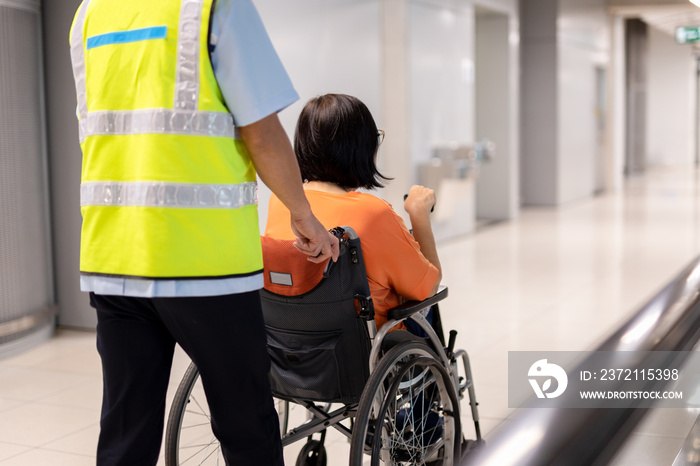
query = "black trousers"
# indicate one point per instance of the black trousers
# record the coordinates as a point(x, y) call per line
point(223, 335)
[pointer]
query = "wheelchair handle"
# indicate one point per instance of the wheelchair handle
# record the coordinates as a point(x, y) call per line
point(451, 343)
point(344, 234)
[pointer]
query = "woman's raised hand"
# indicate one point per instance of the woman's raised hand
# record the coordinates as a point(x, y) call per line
point(420, 200)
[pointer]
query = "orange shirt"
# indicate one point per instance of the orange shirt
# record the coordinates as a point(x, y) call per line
point(393, 260)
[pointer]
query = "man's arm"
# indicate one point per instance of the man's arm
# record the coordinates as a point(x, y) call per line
point(275, 162)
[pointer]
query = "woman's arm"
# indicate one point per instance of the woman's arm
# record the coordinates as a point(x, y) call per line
point(418, 204)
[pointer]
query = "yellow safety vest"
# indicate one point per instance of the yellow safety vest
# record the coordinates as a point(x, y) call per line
point(167, 189)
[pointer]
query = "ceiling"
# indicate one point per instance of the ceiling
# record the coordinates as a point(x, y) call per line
point(666, 18)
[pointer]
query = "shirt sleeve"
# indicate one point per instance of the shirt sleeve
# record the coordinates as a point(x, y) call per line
point(248, 70)
point(399, 260)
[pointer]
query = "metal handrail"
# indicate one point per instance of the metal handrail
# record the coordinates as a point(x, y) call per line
point(670, 321)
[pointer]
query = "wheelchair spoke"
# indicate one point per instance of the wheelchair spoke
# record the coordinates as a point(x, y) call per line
point(201, 446)
point(412, 419)
point(202, 411)
point(204, 448)
point(215, 450)
point(192, 426)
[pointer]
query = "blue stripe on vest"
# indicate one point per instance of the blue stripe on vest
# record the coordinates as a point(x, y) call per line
point(122, 37)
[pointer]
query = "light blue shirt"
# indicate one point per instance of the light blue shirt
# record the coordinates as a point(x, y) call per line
point(249, 72)
point(254, 84)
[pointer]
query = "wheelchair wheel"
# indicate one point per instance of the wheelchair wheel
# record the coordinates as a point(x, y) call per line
point(189, 439)
point(313, 453)
point(408, 413)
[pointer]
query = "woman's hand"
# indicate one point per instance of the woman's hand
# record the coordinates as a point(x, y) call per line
point(420, 200)
point(418, 204)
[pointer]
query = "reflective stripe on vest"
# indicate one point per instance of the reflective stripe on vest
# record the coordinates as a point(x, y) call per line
point(159, 194)
point(158, 121)
point(187, 78)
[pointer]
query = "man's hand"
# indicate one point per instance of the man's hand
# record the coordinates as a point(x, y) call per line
point(314, 240)
point(275, 162)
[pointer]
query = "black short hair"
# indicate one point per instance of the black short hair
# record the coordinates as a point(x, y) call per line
point(336, 141)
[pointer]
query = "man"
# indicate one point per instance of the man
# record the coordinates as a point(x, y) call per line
point(177, 108)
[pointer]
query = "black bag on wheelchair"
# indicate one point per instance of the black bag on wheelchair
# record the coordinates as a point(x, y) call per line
point(316, 319)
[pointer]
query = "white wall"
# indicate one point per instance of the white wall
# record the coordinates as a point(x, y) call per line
point(442, 70)
point(326, 46)
point(442, 76)
point(64, 164)
point(497, 196)
point(582, 46)
point(442, 99)
point(441, 64)
point(564, 41)
point(670, 101)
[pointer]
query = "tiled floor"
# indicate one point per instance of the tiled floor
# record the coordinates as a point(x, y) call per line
point(554, 279)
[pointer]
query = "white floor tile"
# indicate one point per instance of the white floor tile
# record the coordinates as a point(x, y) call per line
point(46, 457)
point(491, 426)
point(493, 401)
point(30, 384)
point(8, 450)
point(83, 442)
point(6, 404)
point(83, 361)
point(84, 395)
point(81, 338)
point(36, 424)
point(48, 352)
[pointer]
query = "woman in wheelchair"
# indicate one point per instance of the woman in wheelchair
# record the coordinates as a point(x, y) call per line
point(336, 143)
point(398, 404)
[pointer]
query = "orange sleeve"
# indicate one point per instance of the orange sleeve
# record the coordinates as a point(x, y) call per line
point(396, 257)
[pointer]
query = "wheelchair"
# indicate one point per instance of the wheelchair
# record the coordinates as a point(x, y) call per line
point(394, 395)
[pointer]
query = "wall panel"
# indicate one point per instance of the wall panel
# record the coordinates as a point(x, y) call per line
point(26, 278)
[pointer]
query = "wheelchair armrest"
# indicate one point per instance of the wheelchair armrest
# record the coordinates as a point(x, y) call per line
point(411, 307)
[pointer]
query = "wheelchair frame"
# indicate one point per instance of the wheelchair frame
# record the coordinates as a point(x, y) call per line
point(413, 368)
